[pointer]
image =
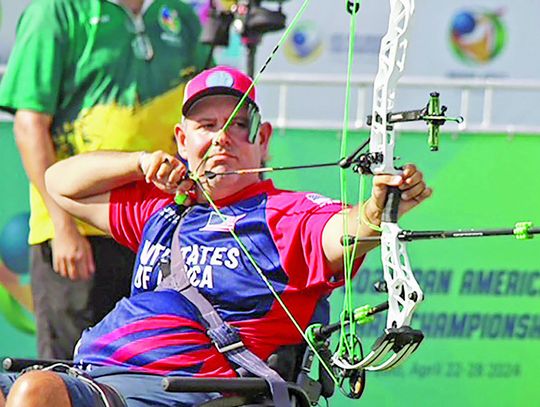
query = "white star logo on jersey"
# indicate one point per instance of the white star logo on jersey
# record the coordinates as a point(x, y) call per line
point(320, 200)
point(221, 223)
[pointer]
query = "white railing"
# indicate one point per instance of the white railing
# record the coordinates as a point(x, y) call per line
point(475, 95)
point(472, 96)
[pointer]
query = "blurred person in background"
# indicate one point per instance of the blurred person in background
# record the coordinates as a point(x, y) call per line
point(85, 76)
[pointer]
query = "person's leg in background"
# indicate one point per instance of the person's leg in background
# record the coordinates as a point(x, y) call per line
point(112, 280)
point(64, 308)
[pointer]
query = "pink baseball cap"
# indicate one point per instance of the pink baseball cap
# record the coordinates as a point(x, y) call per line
point(221, 80)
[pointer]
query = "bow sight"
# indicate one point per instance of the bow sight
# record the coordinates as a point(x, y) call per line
point(433, 114)
point(248, 18)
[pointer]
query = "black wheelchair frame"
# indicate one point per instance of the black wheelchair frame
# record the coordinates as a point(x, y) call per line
point(292, 362)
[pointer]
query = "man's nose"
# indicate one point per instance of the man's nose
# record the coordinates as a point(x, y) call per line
point(222, 138)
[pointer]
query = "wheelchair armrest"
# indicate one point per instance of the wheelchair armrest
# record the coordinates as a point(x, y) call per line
point(18, 364)
point(245, 386)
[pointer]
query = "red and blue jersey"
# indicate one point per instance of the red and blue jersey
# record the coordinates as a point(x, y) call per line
point(160, 331)
point(154, 332)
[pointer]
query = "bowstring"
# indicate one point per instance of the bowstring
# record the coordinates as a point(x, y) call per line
point(348, 333)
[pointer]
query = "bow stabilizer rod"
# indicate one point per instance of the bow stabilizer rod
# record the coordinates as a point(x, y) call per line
point(521, 231)
point(361, 315)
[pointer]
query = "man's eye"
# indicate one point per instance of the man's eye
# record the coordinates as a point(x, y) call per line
point(240, 124)
point(206, 126)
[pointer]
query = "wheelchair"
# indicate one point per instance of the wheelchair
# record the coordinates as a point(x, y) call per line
point(293, 363)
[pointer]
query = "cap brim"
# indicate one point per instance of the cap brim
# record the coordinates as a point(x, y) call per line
point(215, 90)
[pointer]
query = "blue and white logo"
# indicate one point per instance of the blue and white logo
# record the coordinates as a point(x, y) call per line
point(305, 43)
point(320, 200)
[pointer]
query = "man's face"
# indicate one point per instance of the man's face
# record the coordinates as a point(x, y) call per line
point(230, 150)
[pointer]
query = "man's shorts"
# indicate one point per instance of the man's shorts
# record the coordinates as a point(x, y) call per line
point(136, 390)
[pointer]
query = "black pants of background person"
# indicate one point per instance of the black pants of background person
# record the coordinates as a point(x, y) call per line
point(64, 308)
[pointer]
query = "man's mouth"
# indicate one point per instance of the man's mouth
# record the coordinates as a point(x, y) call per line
point(221, 156)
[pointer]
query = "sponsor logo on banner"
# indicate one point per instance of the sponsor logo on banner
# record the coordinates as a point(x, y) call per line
point(168, 20)
point(305, 43)
point(477, 37)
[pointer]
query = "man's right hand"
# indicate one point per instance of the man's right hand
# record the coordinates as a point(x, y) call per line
point(72, 254)
point(165, 171)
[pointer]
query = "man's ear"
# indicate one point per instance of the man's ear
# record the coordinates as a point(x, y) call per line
point(265, 134)
point(180, 137)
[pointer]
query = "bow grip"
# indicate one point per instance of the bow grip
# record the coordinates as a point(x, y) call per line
point(391, 207)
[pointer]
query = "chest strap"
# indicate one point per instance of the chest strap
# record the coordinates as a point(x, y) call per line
point(224, 336)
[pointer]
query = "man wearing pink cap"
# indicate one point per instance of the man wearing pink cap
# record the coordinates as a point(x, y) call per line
point(199, 306)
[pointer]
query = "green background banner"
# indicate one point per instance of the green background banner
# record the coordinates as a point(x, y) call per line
point(481, 314)
point(14, 201)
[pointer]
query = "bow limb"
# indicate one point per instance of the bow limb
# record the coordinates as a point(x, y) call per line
point(391, 65)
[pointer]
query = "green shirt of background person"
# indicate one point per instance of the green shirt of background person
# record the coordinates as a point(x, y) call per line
point(93, 75)
point(101, 97)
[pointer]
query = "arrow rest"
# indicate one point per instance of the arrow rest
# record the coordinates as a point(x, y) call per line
point(361, 163)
